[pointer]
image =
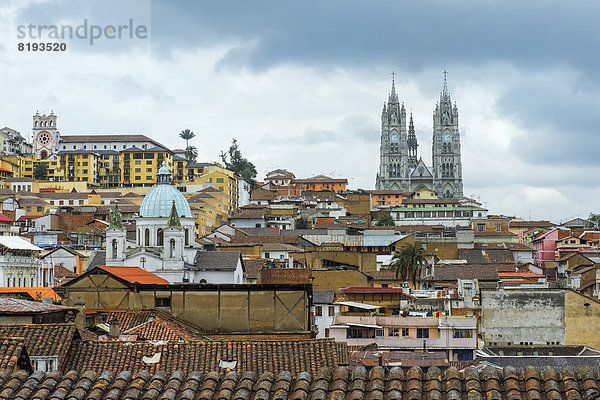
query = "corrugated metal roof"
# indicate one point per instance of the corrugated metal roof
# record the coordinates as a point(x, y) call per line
point(354, 241)
point(17, 243)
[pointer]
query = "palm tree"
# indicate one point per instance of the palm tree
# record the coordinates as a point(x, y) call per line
point(191, 153)
point(187, 134)
point(408, 262)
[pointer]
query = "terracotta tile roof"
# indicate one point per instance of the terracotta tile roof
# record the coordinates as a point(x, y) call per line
point(465, 271)
point(323, 296)
point(531, 224)
point(238, 239)
point(96, 259)
point(107, 138)
point(10, 305)
point(502, 245)
point(217, 260)
point(12, 354)
point(205, 356)
point(336, 384)
point(259, 231)
point(495, 233)
point(135, 274)
point(150, 325)
point(43, 339)
point(487, 256)
point(253, 267)
point(62, 272)
point(35, 293)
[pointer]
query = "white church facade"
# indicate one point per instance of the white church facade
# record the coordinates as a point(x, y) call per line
point(165, 240)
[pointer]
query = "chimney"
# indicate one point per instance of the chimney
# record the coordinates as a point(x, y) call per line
point(80, 317)
point(114, 329)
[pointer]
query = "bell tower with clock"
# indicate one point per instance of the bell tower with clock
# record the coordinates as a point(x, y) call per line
point(447, 166)
point(393, 161)
point(45, 135)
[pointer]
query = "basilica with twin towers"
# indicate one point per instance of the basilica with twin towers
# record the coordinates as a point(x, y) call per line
point(400, 166)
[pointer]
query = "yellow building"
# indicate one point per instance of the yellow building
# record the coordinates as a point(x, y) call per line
point(139, 167)
point(203, 175)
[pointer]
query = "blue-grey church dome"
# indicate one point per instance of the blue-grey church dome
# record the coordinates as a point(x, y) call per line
point(159, 200)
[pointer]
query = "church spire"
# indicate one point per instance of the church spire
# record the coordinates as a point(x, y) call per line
point(445, 95)
point(412, 141)
point(393, 95)
point(173, 221)
point(115, 220)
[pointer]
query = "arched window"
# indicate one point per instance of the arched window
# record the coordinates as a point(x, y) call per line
point(14, 281)
point(172, 248)
point(147, 237)
point(187, 237)
point(160, 237)
point(114, 248)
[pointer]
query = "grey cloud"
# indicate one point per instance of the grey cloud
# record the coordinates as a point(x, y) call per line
point(559, 120)
point(411, 35)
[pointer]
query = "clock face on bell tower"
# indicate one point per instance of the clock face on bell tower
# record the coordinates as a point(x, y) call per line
point(45, 135)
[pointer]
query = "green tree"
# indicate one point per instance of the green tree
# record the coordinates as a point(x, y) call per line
point(191, 153)
point(408, 262)
point(186, 135)
point(234, 161)
point(302, 223)
point(593, 221)
point(40, 171)
point(385, 220)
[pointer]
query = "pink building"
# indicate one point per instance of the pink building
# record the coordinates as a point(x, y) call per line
point(545, 245)
point(457, 335)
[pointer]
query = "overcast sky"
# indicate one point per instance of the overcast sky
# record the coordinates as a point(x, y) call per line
point(301, 85)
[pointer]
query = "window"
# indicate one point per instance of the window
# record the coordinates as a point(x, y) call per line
point(481, 227)
point(404, 332)
point(162, 302)
point(394, 332)
point(461, 333)
point(422, 333)
point(208, 180)
point(318, 311)
point(331, 311)
point(219, 180)
point(148, 169)
point(138, 170)
point(39, 209)
point(326, 332)
point(28, 209)
point(378, 332)
point(220, 188)
point(149, 162)
point(137, 162)
point(267, 255)
point(498, 228)
point(85, 164)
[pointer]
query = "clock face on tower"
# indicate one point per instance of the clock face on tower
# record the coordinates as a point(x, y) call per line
point(394, 137)
point(44, 138)
point(446, 137)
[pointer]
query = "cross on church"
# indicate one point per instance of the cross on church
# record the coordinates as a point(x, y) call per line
point(445, 73)
point(393, 74)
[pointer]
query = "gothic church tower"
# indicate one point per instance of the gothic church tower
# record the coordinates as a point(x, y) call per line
point(394, 153)
point(400, 167)
point(447, 166)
